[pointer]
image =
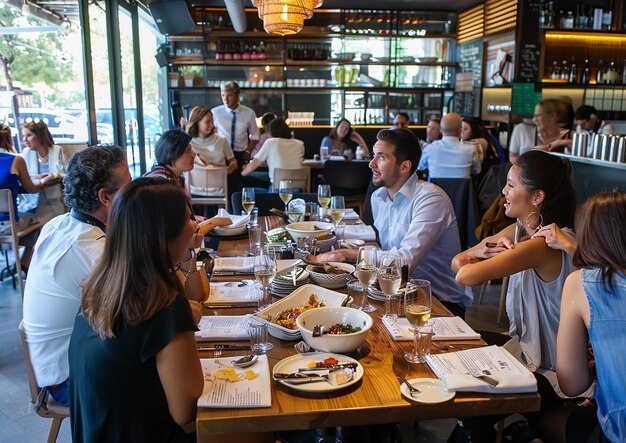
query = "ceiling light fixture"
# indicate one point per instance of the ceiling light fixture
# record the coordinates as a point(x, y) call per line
point(285, 17)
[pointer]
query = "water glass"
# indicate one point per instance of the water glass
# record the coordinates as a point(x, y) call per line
point(366, 272)
point(358, 293)
point(264, 273)
point(254, 239)
point(424, 338)
point(259, 340)
point(389, 278)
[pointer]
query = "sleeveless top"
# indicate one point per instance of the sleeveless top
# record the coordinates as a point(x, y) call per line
point(8, 181)
point(607, 332)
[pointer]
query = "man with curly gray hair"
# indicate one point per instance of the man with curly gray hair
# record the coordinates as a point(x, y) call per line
point(67, 250)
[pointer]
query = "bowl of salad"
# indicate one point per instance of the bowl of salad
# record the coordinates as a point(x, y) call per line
point(340, 329)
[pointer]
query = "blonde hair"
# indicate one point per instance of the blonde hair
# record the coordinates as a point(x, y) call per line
point(197, 114)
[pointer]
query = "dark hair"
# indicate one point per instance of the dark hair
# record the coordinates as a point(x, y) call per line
point(601, 241)
point(41, 131)
point(135, 277)
point(405, 115)
point(333, 132)
point(585, 112)
point(553, 175)
point(197, 114)
point(267, 117)
point(278, 128)
point(6, 140)
point(89, 171)
point(406, 145)
point(476, 124)
point(171, 146)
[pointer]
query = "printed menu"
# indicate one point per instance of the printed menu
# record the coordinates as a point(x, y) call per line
point(444, 328)
point(222, 327)
point(243, 265)
point(232, 293)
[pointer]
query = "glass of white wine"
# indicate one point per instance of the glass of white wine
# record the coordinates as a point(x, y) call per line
point(366, 272)
point(264, 273)
point(337, 209)
point(417, 307)
point(323, 195)
point(285, 192)
point(389, 278)
point(247, 199)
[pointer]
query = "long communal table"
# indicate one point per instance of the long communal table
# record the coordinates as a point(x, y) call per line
point(375, 399)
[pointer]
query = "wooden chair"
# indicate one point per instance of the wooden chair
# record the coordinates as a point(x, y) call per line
point(209, 186)
point(300, 178)
point(40, 401)
point(12, 236)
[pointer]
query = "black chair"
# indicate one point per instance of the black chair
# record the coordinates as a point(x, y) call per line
point(266, 201)
point(350, 179)
point(461, 192)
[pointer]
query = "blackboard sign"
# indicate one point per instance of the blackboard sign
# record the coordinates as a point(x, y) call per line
point(467, 103)
point(470, 59)
point(528, 51)
point(529, 58)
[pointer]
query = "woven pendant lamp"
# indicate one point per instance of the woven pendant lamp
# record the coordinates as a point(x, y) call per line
point(285, 17)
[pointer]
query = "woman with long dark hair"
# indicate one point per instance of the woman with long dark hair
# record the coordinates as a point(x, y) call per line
point(343, 137)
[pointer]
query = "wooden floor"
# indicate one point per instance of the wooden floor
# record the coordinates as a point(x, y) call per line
point(18, 424)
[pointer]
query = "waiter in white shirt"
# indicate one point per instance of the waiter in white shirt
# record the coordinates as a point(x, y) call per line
point(236, 122)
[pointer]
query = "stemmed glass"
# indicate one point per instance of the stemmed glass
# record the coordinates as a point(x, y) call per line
point(285, 192)
point(323, 195)
point(389, 278)
point(264, 272)
point(337, 209)
point(417, 306)
point(247, 199)
point(366, 272)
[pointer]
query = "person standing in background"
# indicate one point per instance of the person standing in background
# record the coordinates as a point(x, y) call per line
point(236, 122)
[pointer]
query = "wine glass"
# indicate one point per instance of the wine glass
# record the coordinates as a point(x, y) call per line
point(366, 272)
point(264, 272)
point(285, 192)
point(417, 306)
point(389, 278)
point(247, 199)
point(323, 195)
point(337, 209)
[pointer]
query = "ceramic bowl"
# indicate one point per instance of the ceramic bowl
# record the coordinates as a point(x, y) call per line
point(306, 229)
point(330, 281)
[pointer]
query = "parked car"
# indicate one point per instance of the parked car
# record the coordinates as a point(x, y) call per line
point(64, 127)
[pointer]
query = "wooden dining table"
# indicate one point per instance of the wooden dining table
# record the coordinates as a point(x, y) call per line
point(375, 399)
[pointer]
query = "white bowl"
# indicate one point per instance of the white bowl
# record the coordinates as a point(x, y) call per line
point(308, 229)
point(331, 281)
point(328, 316)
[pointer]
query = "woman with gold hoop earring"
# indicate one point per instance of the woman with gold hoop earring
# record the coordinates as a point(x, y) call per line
point(538, 191)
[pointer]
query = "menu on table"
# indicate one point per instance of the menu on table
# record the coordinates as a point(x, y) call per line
point(222, 327)
point(226, 386)
point(233, 265)
point(444, 328)
point(232, 293)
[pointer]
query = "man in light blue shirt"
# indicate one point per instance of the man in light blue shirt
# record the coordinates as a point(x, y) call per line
point(413, 217)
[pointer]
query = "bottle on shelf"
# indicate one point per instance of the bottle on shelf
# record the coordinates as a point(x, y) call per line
point(555, 73)
point(586, 75)
point(564, 71)
point(607, 18)
point(550, 18)
point(568, 21)
point(573, 73)
point(600, 73)
point(611, 74)
point(561, 19)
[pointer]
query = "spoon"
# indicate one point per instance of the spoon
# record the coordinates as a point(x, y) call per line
point(245, 361)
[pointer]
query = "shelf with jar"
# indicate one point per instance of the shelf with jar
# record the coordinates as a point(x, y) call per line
point(585, 15)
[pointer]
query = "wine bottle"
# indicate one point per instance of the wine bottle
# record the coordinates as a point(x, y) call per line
point(600, 73)
point(586, 76)
point(573, 73)
point(624, 74)
point(611, 74)
point(555, 74)
point(564, 70)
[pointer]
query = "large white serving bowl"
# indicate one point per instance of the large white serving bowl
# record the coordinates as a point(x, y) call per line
point(331, 281)
point(328, 316)
point(308, 229)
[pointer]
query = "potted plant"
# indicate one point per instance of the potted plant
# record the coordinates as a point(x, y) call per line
point(189, 74)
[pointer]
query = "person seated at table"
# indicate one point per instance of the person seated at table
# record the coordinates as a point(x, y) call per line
point(401, 120)
point(174, 156)
point(134, 367)
point(413, 217)
point(538, 191)
point(344, 138)
point(210, 147)
point(281, 150)
point(594, 308)
point(472, 129)
point(433, 132)
point(450, 157)
point(265, 133)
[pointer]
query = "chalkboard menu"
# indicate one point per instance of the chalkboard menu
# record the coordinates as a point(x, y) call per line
point(528, 51)
point(528, 66)
point(467, 103)
point(470, 59)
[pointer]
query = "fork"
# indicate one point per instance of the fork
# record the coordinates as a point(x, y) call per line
point(412, 390)
point(217, 353)
point(455, 348)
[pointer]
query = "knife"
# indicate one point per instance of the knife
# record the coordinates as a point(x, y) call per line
point(330, 368)
point(224, 348)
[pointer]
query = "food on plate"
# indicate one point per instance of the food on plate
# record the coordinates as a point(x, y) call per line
point(287, 318)
point(279, 235)
point(327, 363)
point(250, 374)
point(343, 328)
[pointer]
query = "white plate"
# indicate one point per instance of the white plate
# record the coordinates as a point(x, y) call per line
point(293, 363)
point(433, 390)
point(225, 231)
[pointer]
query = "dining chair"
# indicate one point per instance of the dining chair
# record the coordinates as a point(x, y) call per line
point(300, 178)
point(350, 179)
point(11, 238)
point(40, 401)
point(209, 186)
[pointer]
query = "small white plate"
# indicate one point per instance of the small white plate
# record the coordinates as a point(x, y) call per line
point(433, 390)
point(295, 362)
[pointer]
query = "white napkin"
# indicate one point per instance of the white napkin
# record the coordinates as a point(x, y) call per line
point(350, 214)
point(444, 328)
point(237, 220)
point(362, 232)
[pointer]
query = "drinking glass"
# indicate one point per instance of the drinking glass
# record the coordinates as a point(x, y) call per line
point(366, 272)
point(285, 192)
point(247, 199)
point(417, 306)
point(337, 209)
point(323, 195)
point(389, 278)
point(264, 272)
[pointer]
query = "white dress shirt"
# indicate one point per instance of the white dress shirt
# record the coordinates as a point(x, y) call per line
point(419, 223)
point(450, 158)
point(245, 125)
point(66, 252)
point(286, 153)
